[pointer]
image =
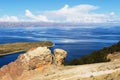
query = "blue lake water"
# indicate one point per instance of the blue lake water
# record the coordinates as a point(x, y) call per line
point(76, 41)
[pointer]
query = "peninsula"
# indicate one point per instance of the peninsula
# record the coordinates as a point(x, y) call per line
point(11, 48)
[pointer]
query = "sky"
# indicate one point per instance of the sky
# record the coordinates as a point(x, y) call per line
point(61, 11)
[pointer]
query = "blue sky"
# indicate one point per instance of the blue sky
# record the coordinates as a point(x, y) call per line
point(60, 10)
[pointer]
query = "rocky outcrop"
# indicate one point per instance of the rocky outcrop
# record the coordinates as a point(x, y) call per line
point(35, 59)
point(60, 56)
point(114, 56)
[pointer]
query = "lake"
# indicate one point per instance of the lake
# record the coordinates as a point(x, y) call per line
point(77, 41)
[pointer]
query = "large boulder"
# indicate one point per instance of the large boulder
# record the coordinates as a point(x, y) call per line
point(34, 58)
point(39, 58)
point(59, 56)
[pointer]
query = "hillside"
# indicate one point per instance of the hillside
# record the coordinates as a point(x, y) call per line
point(97, 56)
point(40, 64)
point(99, 71)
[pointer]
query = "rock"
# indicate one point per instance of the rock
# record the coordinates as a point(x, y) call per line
point(38, 57)
point(35, 59)
point(59, 56)
point(114, 56)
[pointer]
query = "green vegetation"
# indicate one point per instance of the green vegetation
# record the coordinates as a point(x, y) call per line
point(97, 56)
point(22, 46)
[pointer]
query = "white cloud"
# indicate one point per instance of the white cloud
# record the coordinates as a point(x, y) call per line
point(29, 14)
point(79, 14)
point(112, 14)
point(76, 14)
point(9, 18)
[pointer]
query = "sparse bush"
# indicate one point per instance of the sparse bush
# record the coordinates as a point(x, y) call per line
point(97, 56)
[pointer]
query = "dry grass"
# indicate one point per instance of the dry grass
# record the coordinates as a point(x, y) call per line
point(22, 46)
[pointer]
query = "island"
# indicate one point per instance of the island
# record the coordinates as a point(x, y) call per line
point(10, 48)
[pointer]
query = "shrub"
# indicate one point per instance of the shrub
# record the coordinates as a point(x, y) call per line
point(97, 56)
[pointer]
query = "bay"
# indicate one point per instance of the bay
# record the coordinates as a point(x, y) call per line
point(77, 41)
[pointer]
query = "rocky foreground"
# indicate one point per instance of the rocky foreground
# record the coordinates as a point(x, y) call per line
point(40, 64)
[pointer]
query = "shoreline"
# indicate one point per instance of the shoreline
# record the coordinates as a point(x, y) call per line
point(12, 47)
point(11, 53)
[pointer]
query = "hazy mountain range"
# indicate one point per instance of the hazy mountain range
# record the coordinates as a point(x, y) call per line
point(42, 24)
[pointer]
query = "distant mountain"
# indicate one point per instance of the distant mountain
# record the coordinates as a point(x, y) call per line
point(42, 24)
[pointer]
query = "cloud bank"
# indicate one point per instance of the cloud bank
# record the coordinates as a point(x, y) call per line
point(84, 13)
point(9, 19)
